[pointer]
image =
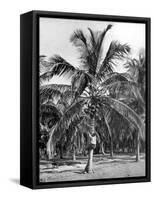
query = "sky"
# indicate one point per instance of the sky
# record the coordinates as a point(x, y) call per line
point(55, 38)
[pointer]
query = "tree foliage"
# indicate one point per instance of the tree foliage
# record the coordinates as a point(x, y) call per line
point(97, 92)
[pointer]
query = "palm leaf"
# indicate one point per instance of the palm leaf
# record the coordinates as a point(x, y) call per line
point(67, 95)
point(72, 131)
point(49, 114)
point(114, 77)
point(72, 113)
point(89, 49)
point(110, 121)
point(78, 38)
point(50, 108)
point(115, 51)
point(65, 100)
point(44, 66)
point(86, 54)
point(59, 67)
point(126, 112)
point(82, 83)
point(75, 79)
point(120, 87)
point(96, 41)
point(125, 90)
point(52, 90)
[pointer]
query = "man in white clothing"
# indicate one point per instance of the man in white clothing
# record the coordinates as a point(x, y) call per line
point(92, 144)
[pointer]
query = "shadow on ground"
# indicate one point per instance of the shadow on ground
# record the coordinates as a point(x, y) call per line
point(15, 180)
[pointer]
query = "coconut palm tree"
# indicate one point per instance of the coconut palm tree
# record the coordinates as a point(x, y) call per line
point(97, 89)
point(136, 68)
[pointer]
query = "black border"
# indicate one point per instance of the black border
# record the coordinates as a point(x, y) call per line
point(35, 98)
point(26, 175)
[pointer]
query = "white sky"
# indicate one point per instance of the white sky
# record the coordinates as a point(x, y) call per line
point(55, 38)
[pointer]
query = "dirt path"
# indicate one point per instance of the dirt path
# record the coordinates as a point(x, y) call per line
point(67, 170)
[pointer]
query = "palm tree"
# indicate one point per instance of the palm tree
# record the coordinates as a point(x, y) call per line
point(96, 87)
point(136, 68)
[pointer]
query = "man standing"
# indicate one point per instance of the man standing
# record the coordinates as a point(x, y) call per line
point(92, 144)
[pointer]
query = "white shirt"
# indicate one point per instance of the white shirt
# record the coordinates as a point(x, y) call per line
point(93, 139)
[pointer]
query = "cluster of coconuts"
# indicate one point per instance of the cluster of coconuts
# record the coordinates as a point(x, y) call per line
point(92, 108)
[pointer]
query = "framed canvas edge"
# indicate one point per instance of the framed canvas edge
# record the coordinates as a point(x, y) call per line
point(35, 98)
point(25, 100)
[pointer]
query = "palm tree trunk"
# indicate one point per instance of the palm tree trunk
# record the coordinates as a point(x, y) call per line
point(74, 151)
point(102, 148)
point(79, 144)
point(137, 147)
point(49, 147)
point(89, 166)
point(111, 146)
point(111, 138)
point(74, 145)
point(61, 151)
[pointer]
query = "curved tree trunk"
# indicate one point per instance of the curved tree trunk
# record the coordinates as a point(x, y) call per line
point(111, 138)
point(74, 145)
point(74, 151)
point(89, 166)
point(61, 151)
point(111, 146)
point(137, 147)
point(102, 148)
point(50, 145)
point(50, 148)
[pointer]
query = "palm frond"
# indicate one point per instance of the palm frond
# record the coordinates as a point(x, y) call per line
point(132, 66)
point(75, 79)
point(50, 91)
point(86, 54)
point(50, 108)
point(47, 94)
point(65, 99)
point(126, 112)
point(93, 38)
point(125, 90)
point(67, 95)
point(115, 51)
point(73, 129)
point(108, 127)
point(84, 125)
point(72, 113)
point(111, 121)
point(96, 40)
point(81, 83)
point(118, 86)
point(101, 127)
point(136, 68)
point(59, 67)
point(114, 77)
point(89, 49)
point(44, 65)
point(78, 38)
point(50, 114)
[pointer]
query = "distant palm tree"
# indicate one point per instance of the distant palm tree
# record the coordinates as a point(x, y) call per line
point(95, 87)
point(136, 68)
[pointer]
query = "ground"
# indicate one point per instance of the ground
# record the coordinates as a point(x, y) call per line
point(104, 167)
